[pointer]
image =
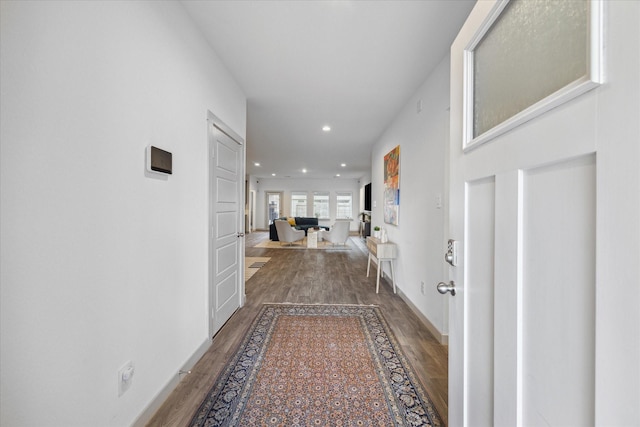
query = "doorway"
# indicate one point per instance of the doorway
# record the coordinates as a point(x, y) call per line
point(274, 206)
point(226, 222)
point(252, 211)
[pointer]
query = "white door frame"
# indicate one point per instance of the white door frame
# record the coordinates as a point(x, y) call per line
point(213, 120)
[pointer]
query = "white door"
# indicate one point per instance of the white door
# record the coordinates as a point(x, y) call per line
point(226, 287)
point(252, 210)
point(274, 206)
point(544, 327)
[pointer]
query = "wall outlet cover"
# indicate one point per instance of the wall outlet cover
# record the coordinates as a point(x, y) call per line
point(125, 377)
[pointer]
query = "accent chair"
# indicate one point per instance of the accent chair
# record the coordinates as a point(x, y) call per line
point(338, 233)
point(286, 233)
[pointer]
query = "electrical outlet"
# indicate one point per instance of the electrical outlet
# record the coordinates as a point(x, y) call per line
point(125, 377)
point(422, 287)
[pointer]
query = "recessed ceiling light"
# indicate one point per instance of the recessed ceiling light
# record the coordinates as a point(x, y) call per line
point(344, 165)
point(304, 171)
point(256, 164)
point(326, 128)
point(337, 174)
point(273, 174)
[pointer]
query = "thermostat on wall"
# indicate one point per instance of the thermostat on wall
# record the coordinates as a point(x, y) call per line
point(158, 160)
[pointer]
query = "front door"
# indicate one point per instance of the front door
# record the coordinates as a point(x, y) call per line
point(544, 327)
point(226, 224)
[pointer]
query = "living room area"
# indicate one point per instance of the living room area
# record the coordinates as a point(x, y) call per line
point(324, 200)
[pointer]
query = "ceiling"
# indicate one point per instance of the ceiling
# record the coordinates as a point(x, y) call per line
point(351, 65)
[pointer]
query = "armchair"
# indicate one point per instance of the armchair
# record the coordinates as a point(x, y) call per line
point(286, 233)
point(339, 233)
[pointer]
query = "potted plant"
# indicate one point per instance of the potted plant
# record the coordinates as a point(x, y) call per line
point(376, 232)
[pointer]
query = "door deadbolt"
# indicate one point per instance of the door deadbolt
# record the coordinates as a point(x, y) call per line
point(452, 253)
point(449, 258)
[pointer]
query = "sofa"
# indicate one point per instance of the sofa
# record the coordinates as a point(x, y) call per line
point(300, 223)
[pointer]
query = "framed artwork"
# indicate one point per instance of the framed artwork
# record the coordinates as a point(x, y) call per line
point(392, 186)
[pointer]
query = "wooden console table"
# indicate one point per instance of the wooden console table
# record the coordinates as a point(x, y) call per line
point(381, 252)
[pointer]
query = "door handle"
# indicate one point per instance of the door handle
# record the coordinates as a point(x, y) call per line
point(240, 234)
point(443, 288)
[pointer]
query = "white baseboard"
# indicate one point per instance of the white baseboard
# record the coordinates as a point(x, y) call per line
point(442, 338)
point(163, 394)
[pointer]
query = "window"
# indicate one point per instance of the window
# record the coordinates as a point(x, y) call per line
point(344, 205)
point(530, 58)
point(298, 204)
point(321, 205)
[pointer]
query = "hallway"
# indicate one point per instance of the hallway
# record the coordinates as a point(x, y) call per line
point(313, 277)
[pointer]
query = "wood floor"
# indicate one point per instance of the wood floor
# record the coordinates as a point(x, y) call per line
point(310, 276)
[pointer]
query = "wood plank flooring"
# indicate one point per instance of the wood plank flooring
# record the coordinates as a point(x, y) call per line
point(310, 276)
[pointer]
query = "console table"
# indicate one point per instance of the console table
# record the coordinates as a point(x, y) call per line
point(381, 252)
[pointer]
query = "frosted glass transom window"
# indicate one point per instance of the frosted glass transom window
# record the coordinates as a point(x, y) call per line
point(533, 49)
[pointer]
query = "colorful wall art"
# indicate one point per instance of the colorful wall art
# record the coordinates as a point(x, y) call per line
point(392, 186)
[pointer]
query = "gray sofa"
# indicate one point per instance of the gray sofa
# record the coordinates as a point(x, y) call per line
point(302, 223)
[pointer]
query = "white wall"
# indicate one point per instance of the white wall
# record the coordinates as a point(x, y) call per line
point(264, 185)
point(423, 137)
point(102, 264)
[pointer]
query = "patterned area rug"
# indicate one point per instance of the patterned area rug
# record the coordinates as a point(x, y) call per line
point(318, 365)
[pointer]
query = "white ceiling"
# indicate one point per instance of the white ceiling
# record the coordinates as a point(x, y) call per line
point(351, 65)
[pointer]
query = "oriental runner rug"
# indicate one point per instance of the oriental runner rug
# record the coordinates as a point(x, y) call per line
point(318, 365)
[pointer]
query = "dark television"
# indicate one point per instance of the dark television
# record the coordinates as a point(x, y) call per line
point(159, 160)
point(367, 197)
